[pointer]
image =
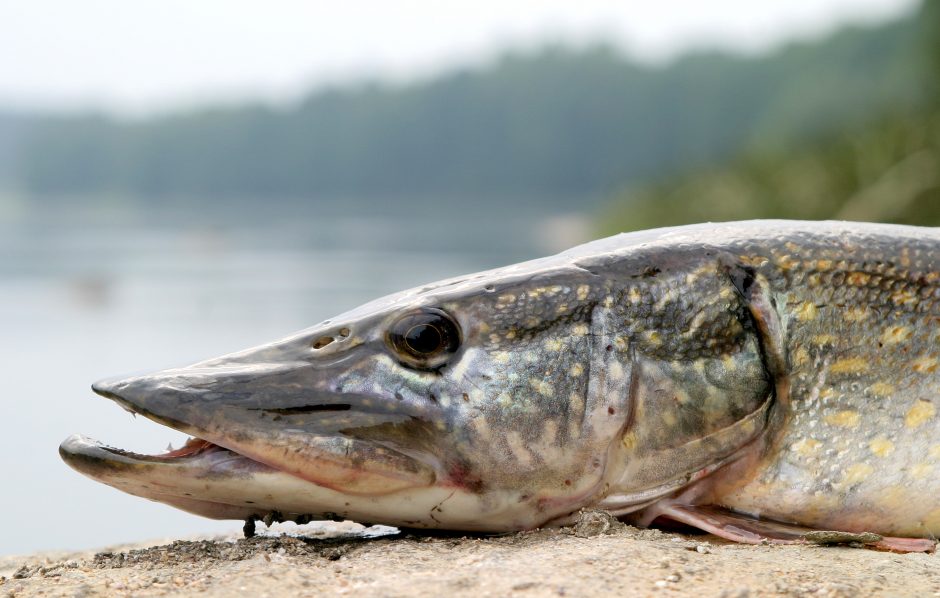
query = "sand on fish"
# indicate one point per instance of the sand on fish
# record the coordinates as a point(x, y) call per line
point(599, 557)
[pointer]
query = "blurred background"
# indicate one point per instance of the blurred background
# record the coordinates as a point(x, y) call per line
point(182, 180)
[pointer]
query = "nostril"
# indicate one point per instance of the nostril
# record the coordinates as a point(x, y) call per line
point(343, 332)
point(322, 342)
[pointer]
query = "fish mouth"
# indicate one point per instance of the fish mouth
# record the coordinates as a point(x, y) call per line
point(172, 477)
point(229, 469)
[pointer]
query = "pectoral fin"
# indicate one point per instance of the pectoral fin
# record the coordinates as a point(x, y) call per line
point(748, 530)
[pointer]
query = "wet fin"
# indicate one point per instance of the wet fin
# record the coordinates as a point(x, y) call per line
point(748, 530)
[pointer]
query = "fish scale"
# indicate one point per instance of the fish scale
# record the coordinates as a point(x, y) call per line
point(862, 446)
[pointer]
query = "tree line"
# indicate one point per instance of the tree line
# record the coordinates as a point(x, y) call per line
point(553, 123)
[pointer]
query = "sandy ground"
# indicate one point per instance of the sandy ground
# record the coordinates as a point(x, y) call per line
point(600, 557)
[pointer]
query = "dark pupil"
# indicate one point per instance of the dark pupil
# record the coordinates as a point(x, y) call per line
point(423, 338)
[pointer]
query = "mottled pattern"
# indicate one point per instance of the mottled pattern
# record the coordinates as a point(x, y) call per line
point(783, 369)
point(862, 447)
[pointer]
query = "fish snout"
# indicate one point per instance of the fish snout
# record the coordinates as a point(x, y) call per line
point(286, 415)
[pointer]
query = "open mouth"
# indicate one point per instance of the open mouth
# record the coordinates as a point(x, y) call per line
point(92, 457)
point(200, 477)
point(251, 463)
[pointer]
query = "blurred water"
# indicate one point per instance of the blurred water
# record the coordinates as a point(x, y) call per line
point(88, 294)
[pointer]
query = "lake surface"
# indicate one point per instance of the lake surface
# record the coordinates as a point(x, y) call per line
point(95, 293)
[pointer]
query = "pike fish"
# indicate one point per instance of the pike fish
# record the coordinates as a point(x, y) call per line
point(764, 381)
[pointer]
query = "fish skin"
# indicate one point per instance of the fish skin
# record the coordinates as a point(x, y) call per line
point(785, 370)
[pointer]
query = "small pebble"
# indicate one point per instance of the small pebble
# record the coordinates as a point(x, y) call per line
point(702, 549)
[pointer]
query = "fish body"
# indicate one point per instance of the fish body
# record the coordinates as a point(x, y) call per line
point(755, 379)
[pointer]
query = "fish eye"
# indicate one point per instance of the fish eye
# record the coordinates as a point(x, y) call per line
point(424, 339)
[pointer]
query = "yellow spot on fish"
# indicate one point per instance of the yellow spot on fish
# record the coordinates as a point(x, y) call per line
point(519, 450)
point(895, 334)
point(925, 365)
point(856, 314)
point(511, 334)
point(881, 389)
point(630, 441)
point(653, 338)
point(919, 471)
point(615, 371)
point(824, 339)
point(906, 257)
point(506, 299)
point(682, 397)
point(857, 278)
point(919, 414)
point(553, 344)
point(845, 419)
point(543, 387)
point(753, 260)
point(824, 265)
point(562, 308)
point(580, 329)
point(484, 328)
point(608, 301)
point(801, 357)
point(935, 451)
point(576, 370)
point(904, 297)
point(501, 357)
point(849, 365)
point(582, 292)
point(634, 295)
point(786, 262)
point(669, 418)
point(806, 446)
point(881, 446)
point(856, 473)
point(576, 411)
point(806, 311)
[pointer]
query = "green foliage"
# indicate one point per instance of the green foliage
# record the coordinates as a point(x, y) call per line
point(888, 171)
point(555, 123)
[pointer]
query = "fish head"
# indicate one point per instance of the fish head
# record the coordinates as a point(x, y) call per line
point(464, 404)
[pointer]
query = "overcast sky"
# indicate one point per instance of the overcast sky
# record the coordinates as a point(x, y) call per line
point(145, 55)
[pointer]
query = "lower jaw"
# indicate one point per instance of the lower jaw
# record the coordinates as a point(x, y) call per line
point(220, 484)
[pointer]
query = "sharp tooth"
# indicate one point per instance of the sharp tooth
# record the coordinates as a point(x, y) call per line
point(169, 447)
